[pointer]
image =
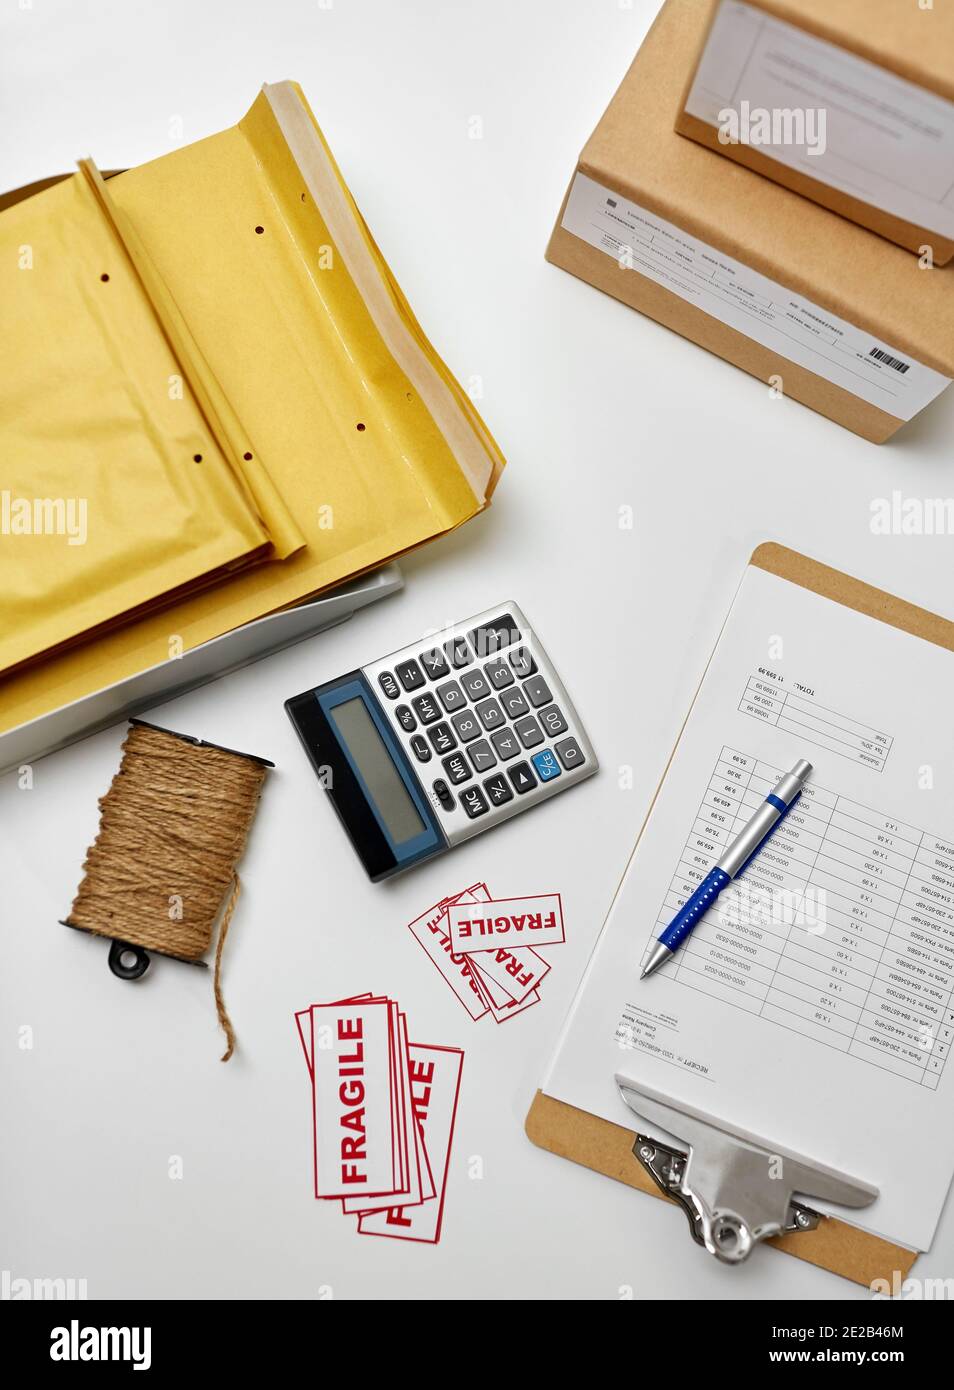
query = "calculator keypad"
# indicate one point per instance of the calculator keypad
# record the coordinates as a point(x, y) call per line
point(529, 731)
point(456, 768)
point(442, 738)
point(481, 755)
point(410, 675)
point(514, 703)
point(421, 750)
point(435, 664)
point(499, 673)
point(473, 802)
point(537, 691)
point(552, 720)
point(570, 754)
point(458, 653)
point(426, 708)
point(389, 685)
point(546, 765)
point(498, 789)
point(487, 708)
point(475, 684)
point(451, 696)
point(506, 744)
point(466, 725)
point(522, 662)
point(490, 714)
point(522, 778)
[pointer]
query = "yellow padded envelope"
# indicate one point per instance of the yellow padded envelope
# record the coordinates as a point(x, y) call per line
point(114, 494)
point(311, 369)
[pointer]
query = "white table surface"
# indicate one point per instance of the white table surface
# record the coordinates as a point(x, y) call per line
point(595, 408)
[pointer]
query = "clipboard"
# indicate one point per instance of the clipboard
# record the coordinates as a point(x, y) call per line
point(608, 1148)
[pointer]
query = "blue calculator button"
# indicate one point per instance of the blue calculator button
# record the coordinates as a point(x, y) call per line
point(546, 765)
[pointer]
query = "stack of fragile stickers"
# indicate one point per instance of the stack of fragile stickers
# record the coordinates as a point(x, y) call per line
point(383, 1115)
point(487, 949)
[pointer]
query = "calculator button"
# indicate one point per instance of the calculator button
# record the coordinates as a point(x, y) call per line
point(552, 720)
point(456, 768)
point(490, 714)
point(493, 636)
point(522, 778)
point(405, 718)
point(473, 802)
point(570, 753)
point(421, 750)
point(410, 674)
point(435, 664)
point(451, 696)
point(427, 709)
point(505, 742)
point(443, 794)
point(466, 725)
point(537, 691)
point(546, 765)
point(529, 731)
point(514, 703)
point(458, 652)
point(475, 684)
point(481, 755)
point(442, 738)
point(389, 685)
point(498, 673)
point(498, 790)
point(522, 662)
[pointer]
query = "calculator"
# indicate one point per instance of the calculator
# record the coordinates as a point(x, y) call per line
point(442, 739)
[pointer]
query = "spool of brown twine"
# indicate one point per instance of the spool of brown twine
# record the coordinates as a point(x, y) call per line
point(162, 870)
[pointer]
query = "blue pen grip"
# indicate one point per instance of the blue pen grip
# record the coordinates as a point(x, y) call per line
point(694, 908)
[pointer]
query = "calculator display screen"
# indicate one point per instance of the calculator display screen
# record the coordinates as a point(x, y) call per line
point(357, 732)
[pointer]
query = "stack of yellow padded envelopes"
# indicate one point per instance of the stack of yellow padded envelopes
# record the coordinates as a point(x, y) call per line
point(219, 404)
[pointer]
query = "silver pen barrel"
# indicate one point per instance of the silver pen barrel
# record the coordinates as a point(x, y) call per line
point(752, 834)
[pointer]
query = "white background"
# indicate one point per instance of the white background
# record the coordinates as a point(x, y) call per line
point(596, 408)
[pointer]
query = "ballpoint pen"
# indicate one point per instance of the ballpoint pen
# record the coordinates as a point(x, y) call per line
point(747, 843)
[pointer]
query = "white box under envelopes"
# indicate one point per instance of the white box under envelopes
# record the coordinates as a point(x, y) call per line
point(206, 662)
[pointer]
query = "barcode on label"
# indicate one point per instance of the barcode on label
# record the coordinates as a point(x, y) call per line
point(888, 360)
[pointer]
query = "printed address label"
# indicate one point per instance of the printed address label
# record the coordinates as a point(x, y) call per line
point(765, 311)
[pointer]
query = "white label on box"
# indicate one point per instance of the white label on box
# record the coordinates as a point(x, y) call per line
point(819, 109)
point(781, 320)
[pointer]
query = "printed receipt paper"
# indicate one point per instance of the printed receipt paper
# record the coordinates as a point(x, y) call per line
point(818, 1018)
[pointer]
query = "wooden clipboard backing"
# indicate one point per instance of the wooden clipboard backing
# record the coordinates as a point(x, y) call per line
point(607, 1148)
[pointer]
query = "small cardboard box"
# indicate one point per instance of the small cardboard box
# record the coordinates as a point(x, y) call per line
point(798, 296)
point(848, 102)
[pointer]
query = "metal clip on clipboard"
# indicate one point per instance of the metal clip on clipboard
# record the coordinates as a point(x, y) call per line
point(735, 1189)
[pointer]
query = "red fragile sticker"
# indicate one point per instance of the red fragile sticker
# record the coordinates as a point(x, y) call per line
point(353, 1099)
point(435, 1086)
point(517, 973)
point(484, 947)
point(374, 1095)
point(431, 931)
point(512, 922)
point(501, 1008)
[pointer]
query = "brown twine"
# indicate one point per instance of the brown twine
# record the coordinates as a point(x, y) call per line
point(172, 828)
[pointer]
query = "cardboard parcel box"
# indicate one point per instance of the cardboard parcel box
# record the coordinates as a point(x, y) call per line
point(849, 102)
point(851, 324)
